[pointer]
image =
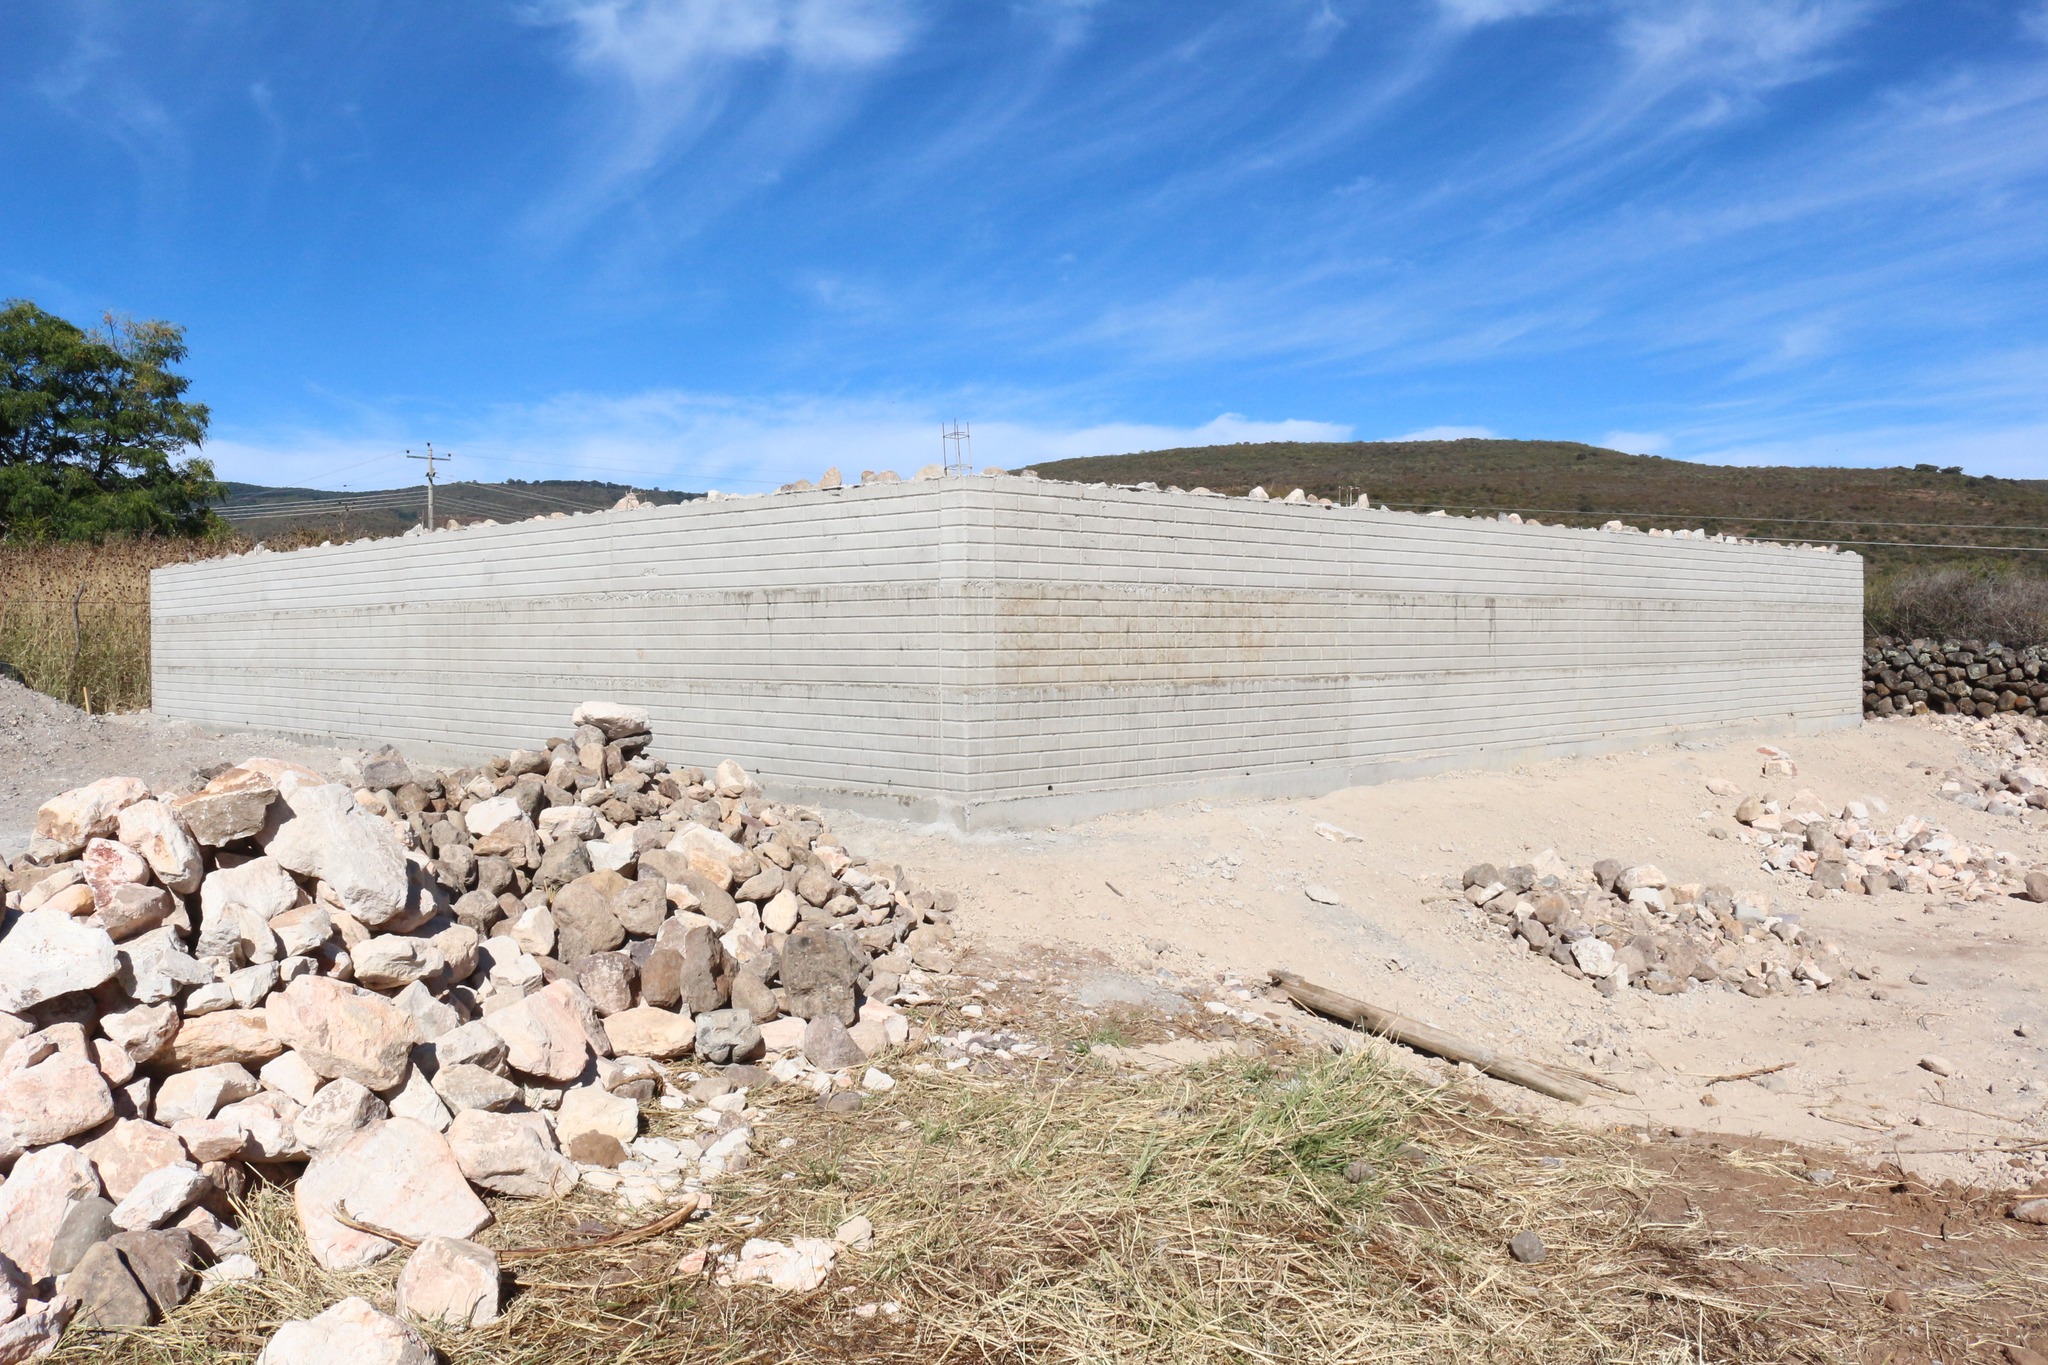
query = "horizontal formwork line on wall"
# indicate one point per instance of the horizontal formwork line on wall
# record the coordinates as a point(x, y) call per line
point(899, 559)
point(986, 706)
point(1054, 610)
point(760, 672)
point(1189, 726)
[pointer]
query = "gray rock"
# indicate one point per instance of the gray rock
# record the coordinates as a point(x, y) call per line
point(562, 864)
point(752, 993)
point(1528, 1248)
point(165, 1262)
point(108, 1294)
point(641, 907)
point(608, 979)
point(474, 1044)
point(384, 770)
point(465, 1086)
point(828, 1046)
point(725, 1036)
point(430, 1016)
point(687, 970)
point(87, 1223)
point(818, 975)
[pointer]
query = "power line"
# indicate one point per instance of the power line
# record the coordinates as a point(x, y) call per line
point(1939, 545)
point(477, 494)
point(1739, 516)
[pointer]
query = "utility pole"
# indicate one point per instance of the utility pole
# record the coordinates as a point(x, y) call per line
point(430, 457)
point(956, 445)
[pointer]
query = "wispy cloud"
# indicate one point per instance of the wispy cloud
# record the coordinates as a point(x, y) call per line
point(1475, 12)
point(1636, 442)
point(669, 71)
point(670, 438)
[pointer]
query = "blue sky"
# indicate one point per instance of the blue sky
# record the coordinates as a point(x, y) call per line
point(726, 243)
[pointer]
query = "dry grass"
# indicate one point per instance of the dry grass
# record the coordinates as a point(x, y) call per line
point(1960, 604)
point(1079, 1216)
point(74, 618)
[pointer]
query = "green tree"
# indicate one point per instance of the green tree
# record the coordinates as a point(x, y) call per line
point(95, 432)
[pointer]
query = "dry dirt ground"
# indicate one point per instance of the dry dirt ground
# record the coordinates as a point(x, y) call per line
point(1851, 1199)
point(47, 747)
point(1211, 891)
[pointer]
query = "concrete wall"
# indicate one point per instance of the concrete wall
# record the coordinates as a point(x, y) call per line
point(1003, 650)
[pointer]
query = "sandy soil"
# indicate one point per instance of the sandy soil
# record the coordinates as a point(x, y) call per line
point(1209, 892)
point(1206, 896)
point(47, 747)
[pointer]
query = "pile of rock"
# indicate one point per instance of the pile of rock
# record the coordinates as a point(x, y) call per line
point(1620, 925)
point(420, 985)
point(2009, 791)
point(1913, 677)
point(1854, 851)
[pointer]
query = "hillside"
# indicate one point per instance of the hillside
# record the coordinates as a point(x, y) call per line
point(1868, 510)
point(261, 512)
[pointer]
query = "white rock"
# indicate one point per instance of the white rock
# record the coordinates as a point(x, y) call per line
point(616, 721)
point(486, 816)
point(239, 1268)
point(214, 1139)
point(794, 1268)
point(200, 1093)
point(321, 832)
point(534, 931)
point(451, 1281)
point(130, 1150)
point(173, 855)
point(159, 1197)
point(544, 1035)
point(698, 839)
point(388, 961)
point(110, 865)
point(342, 1030)
point(476, 1043)
point(302, 930)
point(350, 1333)
point(398, 1175)
point(418, 1101)
point(560, 822)
point(39, 1190)
point(46, 954)
point(614, 856)
point(142, 1031)
point(155, 967)
point(340, 1110)
point(431, 1018)
point(52, 1100)
point(511, 1154)
point(288, 1072)
point(1594, 958)
point(70, 818)
point(647, 1031)
point(270, 1121)
point(261, 885)
point(783, 1034)
point(593, 1109)
point(35, 1333)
